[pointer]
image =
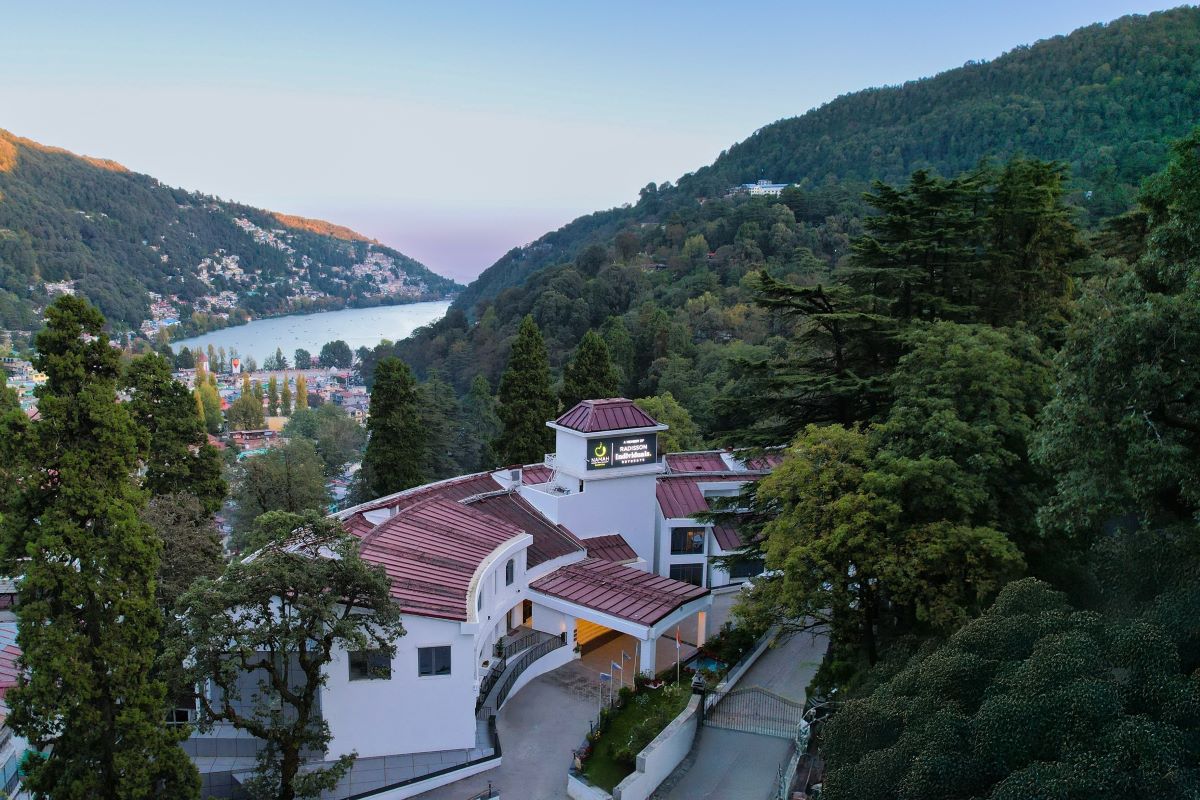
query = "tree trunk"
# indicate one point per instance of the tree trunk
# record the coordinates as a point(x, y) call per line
point(867, 599)
point(289, 766)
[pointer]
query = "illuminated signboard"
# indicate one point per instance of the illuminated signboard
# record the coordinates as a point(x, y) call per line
point(622, 451)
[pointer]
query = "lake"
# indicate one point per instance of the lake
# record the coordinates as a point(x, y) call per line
point(358, 327)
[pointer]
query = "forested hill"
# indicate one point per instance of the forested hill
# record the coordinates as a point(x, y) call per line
point(1104, 99)
point(93, 227)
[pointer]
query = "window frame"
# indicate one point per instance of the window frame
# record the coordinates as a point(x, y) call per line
point(376, 662)
point(698, 567)
point(510, 572)
point(433, 661)
point(686, 532)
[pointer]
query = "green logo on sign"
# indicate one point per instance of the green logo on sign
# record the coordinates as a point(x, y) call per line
point(601, 451)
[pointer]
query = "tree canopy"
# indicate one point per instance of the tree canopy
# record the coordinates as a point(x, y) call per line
point(525, 400)
point(397, 441)
point(278, 619)
point(87, 618)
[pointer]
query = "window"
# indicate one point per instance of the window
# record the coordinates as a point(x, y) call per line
point(479, 597)
point(687, 541)
point(370, 665)
point(509, 569)
point(433, 660)
point(746, 568)
point(688, 573)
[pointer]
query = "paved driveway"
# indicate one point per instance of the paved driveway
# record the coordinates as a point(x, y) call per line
point(730, 765)
point(539, 727)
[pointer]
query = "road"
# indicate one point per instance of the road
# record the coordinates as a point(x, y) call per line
point(538, 727)
point(729, 765)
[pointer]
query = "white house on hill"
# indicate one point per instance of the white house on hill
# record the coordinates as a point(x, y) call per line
point(503, 576)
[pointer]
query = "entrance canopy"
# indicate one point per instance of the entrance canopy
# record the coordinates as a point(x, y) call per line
point(622, 598)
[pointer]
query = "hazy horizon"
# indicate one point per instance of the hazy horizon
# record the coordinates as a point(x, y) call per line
point(454, 134)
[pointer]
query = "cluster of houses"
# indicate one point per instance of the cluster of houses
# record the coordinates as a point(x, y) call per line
point(163, 314)
point(21, 376)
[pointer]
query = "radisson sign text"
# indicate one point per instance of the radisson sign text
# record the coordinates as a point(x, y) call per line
point(623, 451)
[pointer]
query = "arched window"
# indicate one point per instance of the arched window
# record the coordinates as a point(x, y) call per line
point(509, 570)
point(479, 598)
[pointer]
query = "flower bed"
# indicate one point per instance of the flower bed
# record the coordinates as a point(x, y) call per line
point(626, 729)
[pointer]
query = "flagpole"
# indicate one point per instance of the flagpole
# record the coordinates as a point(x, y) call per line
point(676, 654)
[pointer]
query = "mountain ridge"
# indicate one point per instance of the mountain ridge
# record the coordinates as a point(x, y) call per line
point(152, 256)
point(1105, 98)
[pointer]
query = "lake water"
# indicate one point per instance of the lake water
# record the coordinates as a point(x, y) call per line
point(358, 327)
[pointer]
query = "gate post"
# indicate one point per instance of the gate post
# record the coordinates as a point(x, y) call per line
point(699, 687)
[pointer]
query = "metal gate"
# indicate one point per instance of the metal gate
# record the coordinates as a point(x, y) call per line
point(754, 710)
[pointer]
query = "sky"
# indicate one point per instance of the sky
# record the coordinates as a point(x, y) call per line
point(454, 131)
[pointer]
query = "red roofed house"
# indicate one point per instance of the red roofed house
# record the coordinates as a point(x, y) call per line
point(503, 576)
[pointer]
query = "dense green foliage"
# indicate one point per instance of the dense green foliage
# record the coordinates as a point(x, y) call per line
point(1104, 99)
point(191, 545)
point(525, 400)
point(1035, 698)
point(338, 438)
point(178, 457)
point(397, 439)
point(288, 478)
point(87, 618)
point(1122, 433)
point(121, 234)
point(1081, 693)
point(590, 374)
point(278, 617)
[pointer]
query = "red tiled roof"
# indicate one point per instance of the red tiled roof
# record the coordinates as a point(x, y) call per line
point(680, 497)
point(431, 551)
point(697, 462)
point(610, 548)
point(614, 414)
point(453, 489)
point(727, 537)
point(768, 460)
point(358, 525)
point(550, 541)
point(9, 654)
point(614, 589)
point(535, 473)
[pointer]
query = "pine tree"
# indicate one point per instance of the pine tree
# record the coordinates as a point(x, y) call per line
point(397, 443)
point(177, 454)
point(527, 402)
point(440, 413)
point(285, 398)
point(273, 397)
point(590, 375)
point(301, 392)
point(87, 618)
point(209, 404)
point(478, 427)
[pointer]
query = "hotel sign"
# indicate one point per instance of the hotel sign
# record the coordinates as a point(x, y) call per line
point(622, 451)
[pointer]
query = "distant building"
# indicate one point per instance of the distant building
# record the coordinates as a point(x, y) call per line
point(761, 187)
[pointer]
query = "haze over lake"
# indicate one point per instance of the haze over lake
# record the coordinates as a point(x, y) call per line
point(358, 327)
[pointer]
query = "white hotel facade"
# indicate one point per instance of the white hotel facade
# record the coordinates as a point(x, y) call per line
point(503, 576)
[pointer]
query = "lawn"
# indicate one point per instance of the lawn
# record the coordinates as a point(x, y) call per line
point(626, 730)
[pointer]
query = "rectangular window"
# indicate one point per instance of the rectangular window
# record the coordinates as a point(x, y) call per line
point(433, 660)
point(687, 541)
point(370, 665)
point(688, 573)
point(746, 568)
